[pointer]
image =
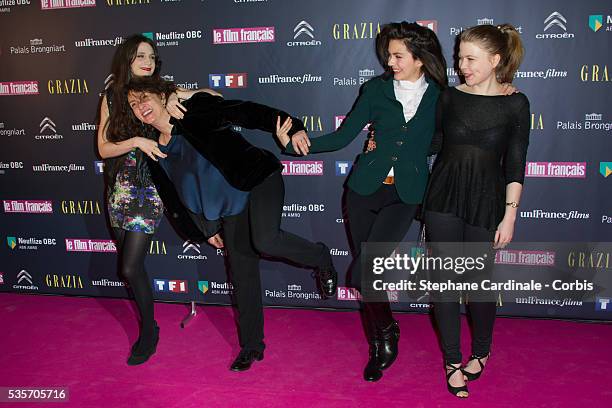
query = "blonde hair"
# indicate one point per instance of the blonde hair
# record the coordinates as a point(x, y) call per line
point(503, 40)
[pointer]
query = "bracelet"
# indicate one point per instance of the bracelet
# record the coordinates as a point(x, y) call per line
point(512, 204)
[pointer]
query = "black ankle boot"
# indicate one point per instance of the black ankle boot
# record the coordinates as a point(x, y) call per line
point(141, 356)
point(383, 351)
point(327, 277)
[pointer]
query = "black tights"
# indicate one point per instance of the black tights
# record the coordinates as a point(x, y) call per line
point(443, 227)
point(132, 248)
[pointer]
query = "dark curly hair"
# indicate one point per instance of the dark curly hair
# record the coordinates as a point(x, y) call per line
point(422, 43)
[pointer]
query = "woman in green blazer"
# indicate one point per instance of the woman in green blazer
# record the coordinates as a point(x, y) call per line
point(386, 186)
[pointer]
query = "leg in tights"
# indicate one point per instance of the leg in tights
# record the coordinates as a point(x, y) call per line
point(381, 217)
point(133, 247)
point(244, 271)
point(482, 310)
point(265, 208)
point(442, 227)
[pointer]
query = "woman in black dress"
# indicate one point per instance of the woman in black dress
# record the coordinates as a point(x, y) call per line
point(476, 183)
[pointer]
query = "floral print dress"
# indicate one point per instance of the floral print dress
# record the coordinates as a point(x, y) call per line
point(130, 207)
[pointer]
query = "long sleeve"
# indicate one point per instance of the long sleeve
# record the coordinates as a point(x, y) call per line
point(348, 131)
point(221, 112)
point(436, 141)
point(516, 153)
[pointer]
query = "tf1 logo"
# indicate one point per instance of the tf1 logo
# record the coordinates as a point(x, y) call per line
point(227, 80)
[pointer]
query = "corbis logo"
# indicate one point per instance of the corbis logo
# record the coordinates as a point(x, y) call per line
point(174, 286)
point(36, 47)
point(594, 73)
point(305, 33)
point(556, 23)
point(343, 168)
point(555, 215)
point(24, 281)
point(556, 169)
point(302, 168)
point(191, 251)
point(238, 80)
point(29, 244)
point(81, 207)
point(92, 42)
point(243, 35)
point(18, 88)
point(596, 22)
point(603, 304)
point(64, 281)
point(157, 248)
point(285, 80)
point(70, 86)
point(112, 3)
point(90, 245)
point(312, 123)
point(589, 259)
point(10, 132)
point(63, 4)
point(28, 206)
point(364, 30)
point(295, 210)
point(605, 168)
point(520, 257)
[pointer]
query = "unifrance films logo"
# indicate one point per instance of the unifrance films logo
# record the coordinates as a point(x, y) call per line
point(90, 245)
point(18, 88)
point(556, 169)
point(28, 206)
point(302, 168)
point(64, 4)
point(243, 35)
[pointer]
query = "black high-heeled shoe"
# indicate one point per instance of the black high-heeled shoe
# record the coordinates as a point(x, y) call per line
point(455, 390)
point(139, 357)
point(474, 376)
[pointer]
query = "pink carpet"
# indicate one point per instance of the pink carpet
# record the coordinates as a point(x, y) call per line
point(313, 359)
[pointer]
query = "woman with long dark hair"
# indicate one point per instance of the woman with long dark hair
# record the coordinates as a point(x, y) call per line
point(476, 184)
point(387, 185)
point(134, 207)
point(215, 178)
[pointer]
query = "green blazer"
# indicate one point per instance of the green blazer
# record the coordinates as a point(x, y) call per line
point(399, 144)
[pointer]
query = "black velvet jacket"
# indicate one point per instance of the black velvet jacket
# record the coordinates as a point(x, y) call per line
point(207, 126)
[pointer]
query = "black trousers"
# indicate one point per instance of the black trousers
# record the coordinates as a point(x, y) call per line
point(379, 217)
point(257, 231)
point(444, 227)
